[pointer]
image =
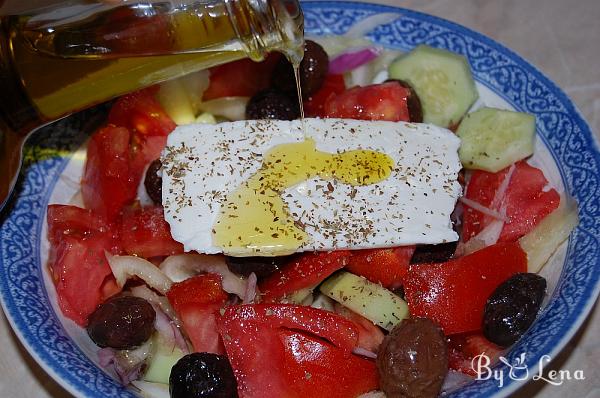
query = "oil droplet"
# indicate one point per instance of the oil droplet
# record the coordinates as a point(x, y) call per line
point(255, 220)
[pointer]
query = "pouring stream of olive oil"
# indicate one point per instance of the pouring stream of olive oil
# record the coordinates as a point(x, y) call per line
point(69, 55)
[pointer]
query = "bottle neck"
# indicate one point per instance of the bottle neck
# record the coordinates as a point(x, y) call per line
point(263, 26)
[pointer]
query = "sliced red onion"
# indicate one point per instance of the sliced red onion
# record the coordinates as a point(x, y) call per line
point(144, 292)
point(167, 328)
point(482, 209)
point(127, 364)
point(183, 266)
point(106, 356)
point(351, 60)
point(250, 294)
point(364, 352)
point(125, 267)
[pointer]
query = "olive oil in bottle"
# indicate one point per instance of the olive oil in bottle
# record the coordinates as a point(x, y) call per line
point(67, 56)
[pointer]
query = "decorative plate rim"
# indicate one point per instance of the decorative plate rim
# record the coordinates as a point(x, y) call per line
point(583, 306)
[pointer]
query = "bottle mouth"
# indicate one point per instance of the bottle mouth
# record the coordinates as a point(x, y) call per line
point(290, 21)
point(277, 25)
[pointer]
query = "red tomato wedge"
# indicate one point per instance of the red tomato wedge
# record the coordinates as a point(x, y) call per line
point(242, 78)
point(145, 233)
point(316, 368)
point(196, 300)
point(306, 271)
point(370, 336)
point(106, 185)
point(386, 101)
point(149, 124)
point(80, 272)
point(141, 113)
point(75, 221)
point(526, 201)
point(260, 341)
point(462, 348)
point(385, 266)
point(454, 293)
point(315, 104)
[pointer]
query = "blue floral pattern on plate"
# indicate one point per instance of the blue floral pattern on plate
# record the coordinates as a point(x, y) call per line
point(560, 126)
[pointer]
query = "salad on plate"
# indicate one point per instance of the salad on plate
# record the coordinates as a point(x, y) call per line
point(403, 238)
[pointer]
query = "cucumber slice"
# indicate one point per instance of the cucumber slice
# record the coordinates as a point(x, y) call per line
point(541, 242)
point(369, 299)
point(442, 81)
point(160, 365)
point(493, 139)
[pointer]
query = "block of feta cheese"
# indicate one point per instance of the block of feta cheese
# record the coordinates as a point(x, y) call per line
point(202, 163)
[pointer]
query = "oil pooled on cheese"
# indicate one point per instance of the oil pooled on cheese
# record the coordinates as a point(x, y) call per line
point(254, 219)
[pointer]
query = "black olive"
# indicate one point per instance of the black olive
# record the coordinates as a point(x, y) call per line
point(202, 375)
point(261, 266)
point(272, 104)
point(153, 182)
point(122, 322)
point(413, 360)
point(433, 253)
point(415, 110)
point(312, 70)
point(512, 308)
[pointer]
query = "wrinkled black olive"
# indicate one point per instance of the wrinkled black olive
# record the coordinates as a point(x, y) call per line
point(121, 322)
point(313, 70)
point(413, 360)
point(261, 266)
point(153, 182)
point(272, 104)
point(415, 109)
point(433, 253)
point(202, 375)
point(513, 307)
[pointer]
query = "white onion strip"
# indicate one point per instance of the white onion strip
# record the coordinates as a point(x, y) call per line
point(125, 267)
point(250, 293)
point(364, 352)
point(182, 266)
point(482, 209)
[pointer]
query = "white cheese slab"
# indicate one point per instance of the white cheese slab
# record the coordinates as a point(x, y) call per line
point(202, 163)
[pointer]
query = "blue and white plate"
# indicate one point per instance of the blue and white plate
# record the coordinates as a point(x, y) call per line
point(566, 151)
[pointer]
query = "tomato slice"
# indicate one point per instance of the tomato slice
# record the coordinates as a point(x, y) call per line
point(259, 341)
point(318, 369)
point(370, 336)
point(198, 290)
point(145, 233)
point(106, 185)
point(142, 114)
point(306, 271)
point(242, 78)
point(385, 266)
point(75, 221)
point(526, 199)
point(314, 106)
point(462, 348)
point(454, 293)
point(196, 300)
point(82, 277)
point(386, 101)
